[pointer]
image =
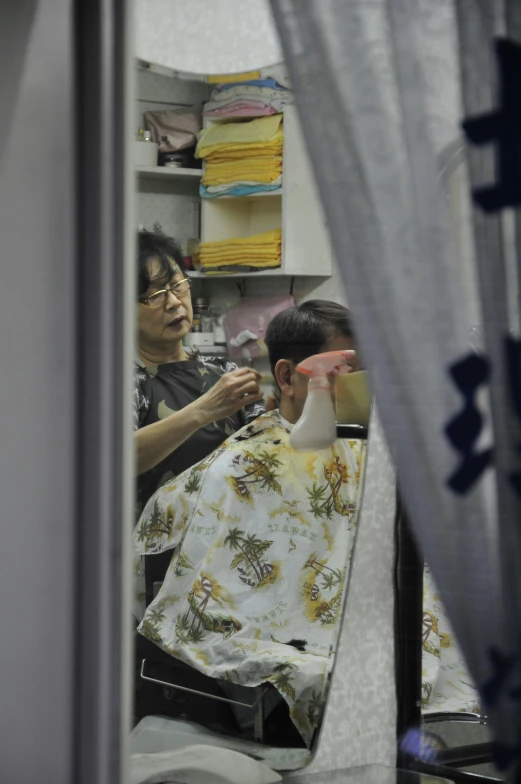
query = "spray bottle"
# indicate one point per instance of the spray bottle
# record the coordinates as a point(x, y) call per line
point(316, 428)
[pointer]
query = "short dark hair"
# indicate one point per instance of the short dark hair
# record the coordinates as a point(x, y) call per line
point(303, 330)
point(153, 246)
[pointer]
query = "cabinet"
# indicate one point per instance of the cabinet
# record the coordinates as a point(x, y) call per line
point(170, 197)
point(295, 208)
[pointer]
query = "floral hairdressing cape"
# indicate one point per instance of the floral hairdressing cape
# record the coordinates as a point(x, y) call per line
point(262, 540)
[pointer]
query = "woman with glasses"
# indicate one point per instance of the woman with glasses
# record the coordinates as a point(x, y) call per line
point(185, 405)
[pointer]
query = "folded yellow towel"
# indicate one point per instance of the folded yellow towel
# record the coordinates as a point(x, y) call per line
point(257, 170)
point(244, 152)
point(272, 264)
point(264, 238)
point(260, 131)
point(261, 251)
point(237, 255)
point(227, 78)
point(246, 262)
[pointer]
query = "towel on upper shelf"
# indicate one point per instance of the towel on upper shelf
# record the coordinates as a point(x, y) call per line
point(238, 189)
point(241, 109)
point(259, 251)
point(220, 189)
point(269, 82)
point(243, 158)
point(264, 170)
point(263, 132)
point(229, 99)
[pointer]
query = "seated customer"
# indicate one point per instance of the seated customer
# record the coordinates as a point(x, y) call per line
point(262, 538)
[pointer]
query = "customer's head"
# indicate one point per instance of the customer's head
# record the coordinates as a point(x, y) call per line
point(165, 309)
point(300, 332)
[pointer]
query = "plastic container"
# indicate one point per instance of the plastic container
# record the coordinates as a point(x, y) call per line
point(200, 314)
point(316, 428)
point(145, 150)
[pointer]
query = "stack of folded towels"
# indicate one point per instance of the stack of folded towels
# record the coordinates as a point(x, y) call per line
point(241, 158)
point(253, 98)
point(243, 254)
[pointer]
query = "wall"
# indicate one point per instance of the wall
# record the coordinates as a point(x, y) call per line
point(36, 394)
point(206, 36)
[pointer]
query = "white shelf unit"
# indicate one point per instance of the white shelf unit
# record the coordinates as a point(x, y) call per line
point(296, 209)
point(166, 173)
point(269, 273)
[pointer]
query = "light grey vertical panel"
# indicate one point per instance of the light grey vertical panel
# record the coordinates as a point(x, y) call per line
point(36, 391)
point(105, 260)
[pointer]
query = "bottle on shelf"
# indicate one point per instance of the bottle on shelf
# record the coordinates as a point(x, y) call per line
point(201, 315)
point(145, 150)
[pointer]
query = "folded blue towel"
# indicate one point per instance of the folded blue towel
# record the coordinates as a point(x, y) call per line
point(237, 190)
point(271, 83)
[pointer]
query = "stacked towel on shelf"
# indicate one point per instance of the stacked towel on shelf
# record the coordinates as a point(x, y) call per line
point(253, 98)
point(241, 158)
point(242, 254)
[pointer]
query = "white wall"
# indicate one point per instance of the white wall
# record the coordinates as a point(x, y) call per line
point(36, 392)
point(206, 36)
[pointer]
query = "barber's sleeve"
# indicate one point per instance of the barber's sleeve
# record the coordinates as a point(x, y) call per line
point(254, 410)
point(140, 401)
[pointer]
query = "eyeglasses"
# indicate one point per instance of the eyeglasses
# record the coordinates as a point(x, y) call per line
point(160, 297)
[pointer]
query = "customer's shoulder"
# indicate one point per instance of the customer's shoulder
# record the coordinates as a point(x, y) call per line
point(266, 428)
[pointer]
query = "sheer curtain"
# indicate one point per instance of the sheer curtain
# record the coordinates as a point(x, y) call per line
point(359, 78)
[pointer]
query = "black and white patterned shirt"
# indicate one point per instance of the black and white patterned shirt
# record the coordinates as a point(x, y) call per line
point(161, 390)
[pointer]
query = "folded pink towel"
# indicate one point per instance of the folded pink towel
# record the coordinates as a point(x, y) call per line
point(242, 109)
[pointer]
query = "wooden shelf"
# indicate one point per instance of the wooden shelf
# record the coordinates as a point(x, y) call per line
point(164, 173)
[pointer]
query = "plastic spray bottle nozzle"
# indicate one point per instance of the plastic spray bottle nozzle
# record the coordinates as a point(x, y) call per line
point(318, 378)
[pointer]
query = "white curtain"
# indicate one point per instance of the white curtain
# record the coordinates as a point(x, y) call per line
point(359, 78)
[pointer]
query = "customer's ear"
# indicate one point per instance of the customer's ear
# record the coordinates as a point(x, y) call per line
point(283, 375)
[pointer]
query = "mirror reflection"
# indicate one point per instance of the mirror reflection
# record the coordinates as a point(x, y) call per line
point(245, 533)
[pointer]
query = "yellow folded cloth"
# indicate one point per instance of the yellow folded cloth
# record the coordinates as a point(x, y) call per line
point(227, 78)
point(260, 131)
point(244, 152)
point(237, 255)
point(272, 264)
point(264, 170)
point(230, 271)
point(261, 251)
point(274, 236)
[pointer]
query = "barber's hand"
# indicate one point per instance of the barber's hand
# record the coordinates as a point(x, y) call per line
point(271, 403)
point(232, 392)
point(353, 364)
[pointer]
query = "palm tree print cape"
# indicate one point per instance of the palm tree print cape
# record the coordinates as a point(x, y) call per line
point(262, 540)
point(446, 683)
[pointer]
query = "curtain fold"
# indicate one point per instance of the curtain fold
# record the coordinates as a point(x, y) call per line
point(360, 85)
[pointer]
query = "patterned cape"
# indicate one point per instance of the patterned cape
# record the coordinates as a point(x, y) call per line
point(447, 685)
point(262, 539)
